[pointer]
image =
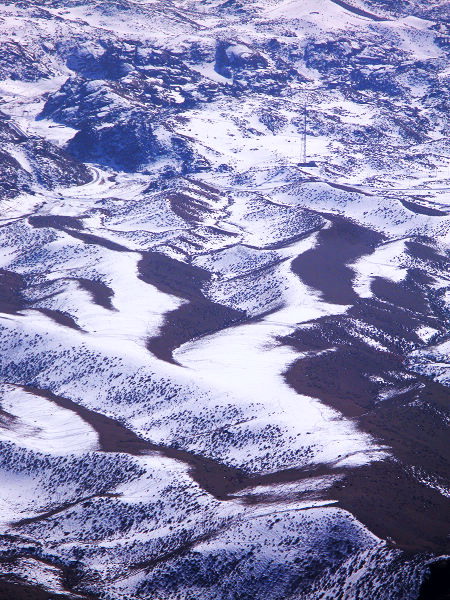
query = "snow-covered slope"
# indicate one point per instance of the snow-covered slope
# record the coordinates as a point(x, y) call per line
point(224, 299)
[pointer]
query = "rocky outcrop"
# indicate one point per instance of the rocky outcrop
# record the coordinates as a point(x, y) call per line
point(52, 166)
point(235, 56)
point(128, 144)
point(250, 69)
point(21, 63)
point(13, 178)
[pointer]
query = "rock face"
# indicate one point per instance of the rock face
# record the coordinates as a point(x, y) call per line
point(20, 63)
point(235, 56)
point(110, 62)
point(133, 88)
point(14, 177)
point(248, 68)
point(224, 299)
point(54, 167)
point(126, 145)
point(28, 160)
point(79, 101)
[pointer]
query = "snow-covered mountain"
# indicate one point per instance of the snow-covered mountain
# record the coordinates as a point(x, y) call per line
point(224, 299)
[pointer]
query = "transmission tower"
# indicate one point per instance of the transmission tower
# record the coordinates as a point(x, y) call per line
point(305, 119)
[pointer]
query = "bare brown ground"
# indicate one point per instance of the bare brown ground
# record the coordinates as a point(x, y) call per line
point(419, 209)
point(390, 497)
point(382, 495)
point(101, 294)
point(14, 587)
point(387, 496)
point(324, 267)
point(198, 317)
point(436, 585)
point(12, 301)
point(219, 480)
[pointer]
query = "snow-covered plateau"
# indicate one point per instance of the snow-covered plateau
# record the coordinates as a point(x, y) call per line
point(224, 299)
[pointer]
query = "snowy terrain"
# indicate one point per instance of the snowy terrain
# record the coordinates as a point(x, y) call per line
point(224, 299)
